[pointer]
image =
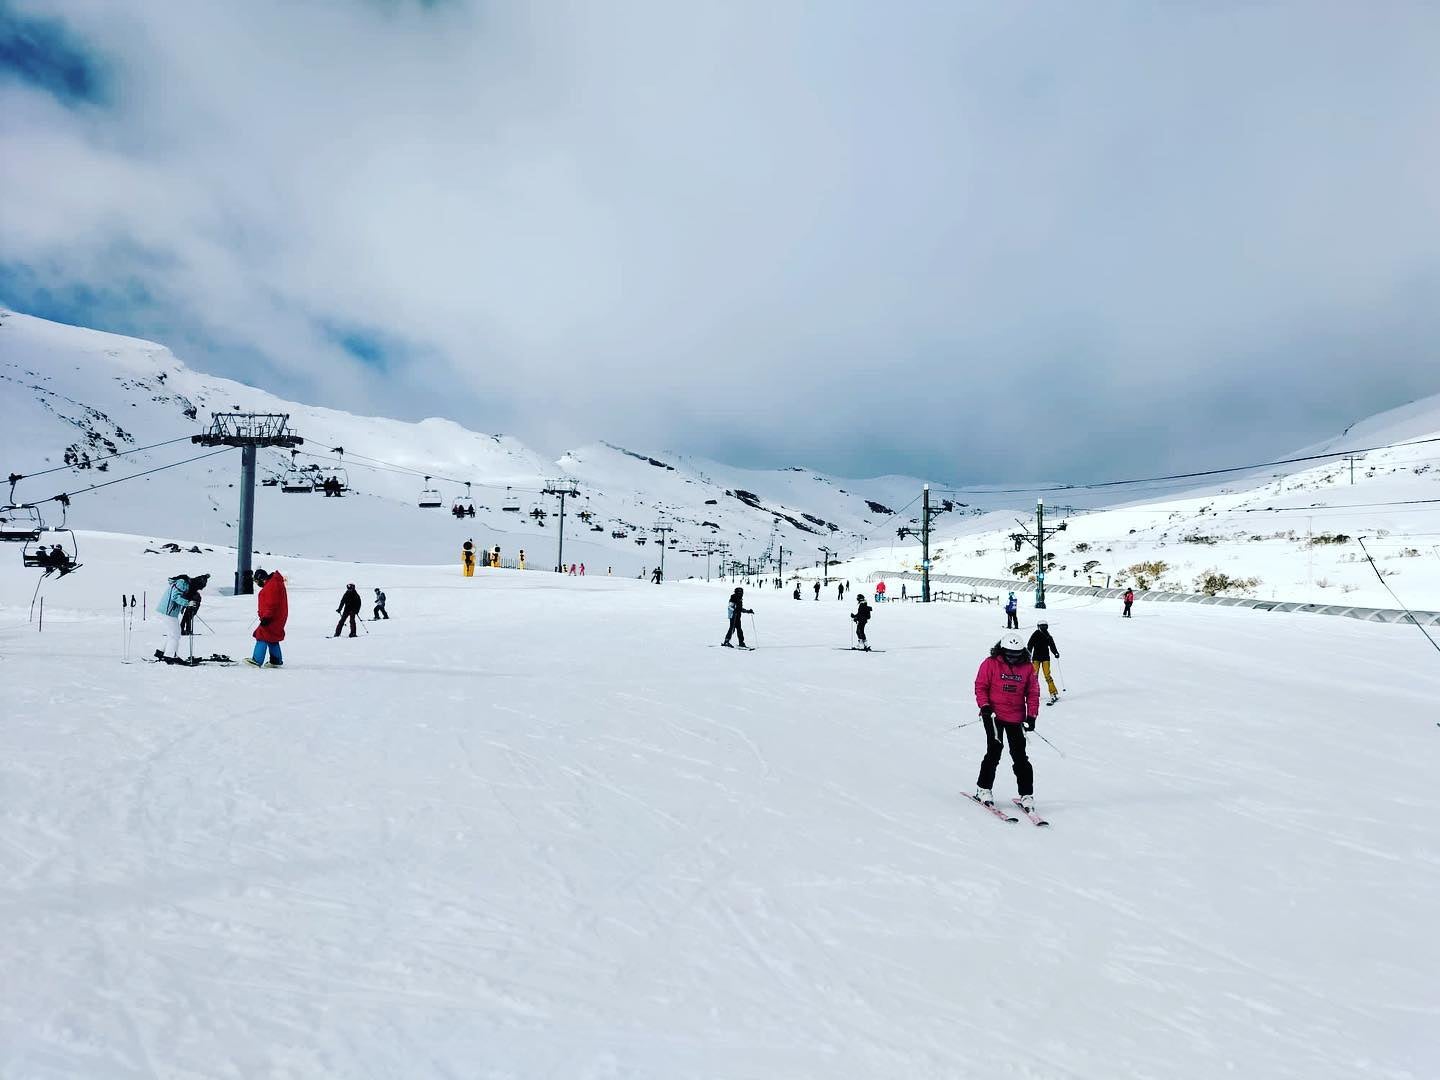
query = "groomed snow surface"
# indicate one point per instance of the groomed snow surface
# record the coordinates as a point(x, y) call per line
point(538, 826)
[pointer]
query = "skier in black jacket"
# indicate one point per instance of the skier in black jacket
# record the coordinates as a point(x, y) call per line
point(348, 609)
point(735, 609)
point(187, 618)
point(861, 616)
point(1042, 646)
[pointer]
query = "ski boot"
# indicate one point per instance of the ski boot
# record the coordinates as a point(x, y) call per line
point(982, 795)
point(1027, 803)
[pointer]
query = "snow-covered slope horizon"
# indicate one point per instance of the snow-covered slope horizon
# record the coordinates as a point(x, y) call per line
point(1291, 532)
point(73, 395)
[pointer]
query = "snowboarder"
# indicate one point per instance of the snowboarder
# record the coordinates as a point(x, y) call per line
point(817, 590)
point(187, 620)
point(1042, 646)
point(348, 609)
point(1129, 603)
point(467, 558)
point(274, 609)
point(861, 616)
point(173, 604)
point(1012, 613)
point(1008, 693)
point(735, 608)
point(380, 612)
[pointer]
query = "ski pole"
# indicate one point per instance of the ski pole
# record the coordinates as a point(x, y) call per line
point(1061, 672)
point(752, 626)
point(1047, 742)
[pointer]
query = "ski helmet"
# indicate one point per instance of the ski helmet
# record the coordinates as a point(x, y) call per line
point(1044, 624)
point(1011, 643)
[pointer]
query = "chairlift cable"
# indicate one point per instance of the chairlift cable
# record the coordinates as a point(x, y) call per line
point(132, 476)
point(15, 478)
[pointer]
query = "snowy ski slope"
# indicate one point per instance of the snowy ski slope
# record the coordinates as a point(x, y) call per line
point(537, 826)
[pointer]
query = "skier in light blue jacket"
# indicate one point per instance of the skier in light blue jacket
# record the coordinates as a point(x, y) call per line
point(173, 604)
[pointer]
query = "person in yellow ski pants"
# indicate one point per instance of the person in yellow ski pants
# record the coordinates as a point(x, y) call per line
point(1042, 647)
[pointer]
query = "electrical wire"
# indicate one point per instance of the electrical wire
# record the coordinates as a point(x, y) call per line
point(1391, 591)
point(1104, 484)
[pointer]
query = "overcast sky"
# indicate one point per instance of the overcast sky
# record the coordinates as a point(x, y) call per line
point(971, 241)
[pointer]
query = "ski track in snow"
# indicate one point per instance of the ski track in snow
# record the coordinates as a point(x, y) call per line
point(535, 827)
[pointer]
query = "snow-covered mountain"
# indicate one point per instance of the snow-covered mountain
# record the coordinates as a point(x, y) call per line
point(72, 396)
point(1291, 533)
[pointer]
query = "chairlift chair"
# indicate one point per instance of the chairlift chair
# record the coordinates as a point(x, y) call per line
point(538, 513)
point(642, 540)
point(20, 524)
point(511, 504)
point(36, 555)
point(335, 482)
point(430, 497)
point(296, 480)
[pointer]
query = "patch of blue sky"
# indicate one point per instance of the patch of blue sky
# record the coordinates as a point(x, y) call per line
point(44, 53)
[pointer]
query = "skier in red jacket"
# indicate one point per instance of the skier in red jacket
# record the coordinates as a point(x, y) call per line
point(1008, 693)
point(274, 609)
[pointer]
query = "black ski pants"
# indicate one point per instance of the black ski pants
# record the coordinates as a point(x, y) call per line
point(735, 628)
point(380, 613)
point(347, 615)
point(996, 732)
point(860, 632)
point(1012, 620)
point(1126, 612)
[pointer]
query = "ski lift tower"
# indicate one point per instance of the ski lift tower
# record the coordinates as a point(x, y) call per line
point(248, 431)
point(562, 489)
point(664, 529)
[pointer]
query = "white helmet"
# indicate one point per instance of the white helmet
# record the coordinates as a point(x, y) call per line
point(1011, 643)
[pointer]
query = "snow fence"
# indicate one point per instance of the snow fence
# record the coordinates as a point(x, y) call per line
point(1349, 611)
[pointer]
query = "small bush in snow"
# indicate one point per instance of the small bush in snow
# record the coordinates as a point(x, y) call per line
point(1219, 583)
point(1145, 574)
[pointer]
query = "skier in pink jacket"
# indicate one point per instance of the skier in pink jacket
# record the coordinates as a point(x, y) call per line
point(1008, 693)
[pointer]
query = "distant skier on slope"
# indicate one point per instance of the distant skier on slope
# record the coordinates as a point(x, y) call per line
point(348, 609)
point(1042, 646)
point(860, 617)
point(734, 609)
point(1008, 693)
point(1012, 613)
point(1129, 603)
point(273, 605)
point(380, 612)
point(817, 590)
point(797, 590)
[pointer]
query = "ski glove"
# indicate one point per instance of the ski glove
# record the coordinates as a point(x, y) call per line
point(264, 622)
point(987, 712)
point(1029, 724)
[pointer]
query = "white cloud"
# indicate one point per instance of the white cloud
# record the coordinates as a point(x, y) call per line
point(956, 238)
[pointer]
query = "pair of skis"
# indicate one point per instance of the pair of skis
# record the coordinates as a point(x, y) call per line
point(1035, 819)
